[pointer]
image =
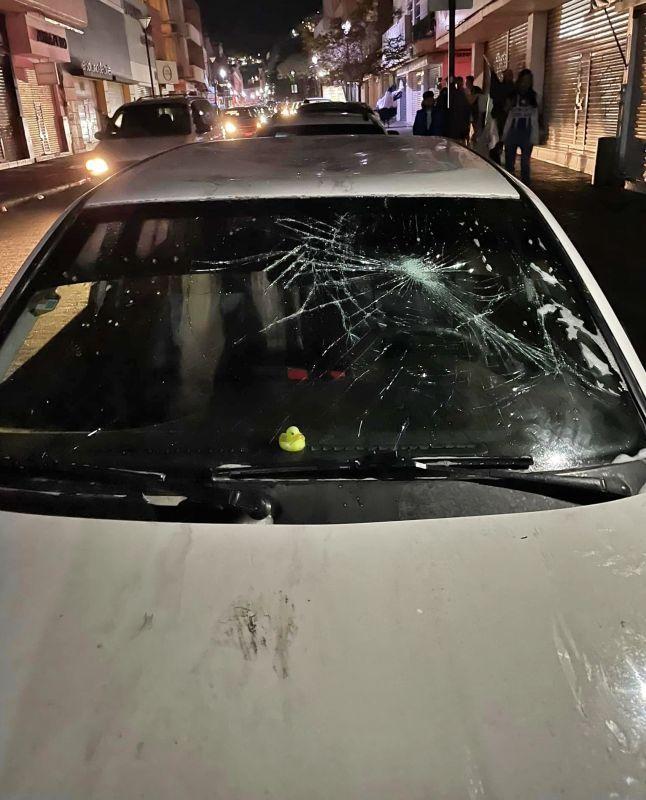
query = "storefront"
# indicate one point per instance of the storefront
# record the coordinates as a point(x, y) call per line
point(82, 113)
point(38, 103)
point(12, 140)
point(584, 73)
point(425, 74)
point(37, 47)
point(508, 50)
point(100, 65)
point(634, 134)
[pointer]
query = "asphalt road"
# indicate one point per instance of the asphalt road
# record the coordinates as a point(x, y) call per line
point(22, 227)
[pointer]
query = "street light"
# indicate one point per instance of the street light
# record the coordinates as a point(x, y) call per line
point(145, 24)
point(223, 73)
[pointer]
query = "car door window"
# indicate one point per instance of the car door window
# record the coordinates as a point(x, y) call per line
point(202, 116)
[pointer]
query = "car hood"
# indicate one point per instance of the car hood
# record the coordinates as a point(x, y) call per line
point(485, 657)
point(138, 148)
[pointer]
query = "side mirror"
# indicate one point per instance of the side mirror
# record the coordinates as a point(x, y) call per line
point(99, 135)
point(393, 133)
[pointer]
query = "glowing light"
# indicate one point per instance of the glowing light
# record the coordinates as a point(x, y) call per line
point(96, 166)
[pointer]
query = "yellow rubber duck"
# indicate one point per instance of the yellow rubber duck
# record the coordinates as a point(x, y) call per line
point(292, 440)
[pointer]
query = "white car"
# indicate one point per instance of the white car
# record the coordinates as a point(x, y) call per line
point(433, 589)
point(325, 118)
point(150, 126)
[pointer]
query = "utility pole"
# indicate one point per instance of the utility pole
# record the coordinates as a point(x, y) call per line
point(145, 24)
point(451, 52)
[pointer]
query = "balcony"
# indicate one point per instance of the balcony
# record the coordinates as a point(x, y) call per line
point(401, 30)
point(191, 32)
point(189, 72)
point(70, 12)
point(424, 34)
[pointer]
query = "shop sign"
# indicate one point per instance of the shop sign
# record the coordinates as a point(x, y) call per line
point(51, 39)
point(167, 72)
point(97, 69)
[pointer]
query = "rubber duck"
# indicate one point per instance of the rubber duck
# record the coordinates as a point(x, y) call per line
point(292, 440)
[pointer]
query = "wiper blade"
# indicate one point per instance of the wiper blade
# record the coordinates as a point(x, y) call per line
point(510, 473)
point(148, 486)
point(383, 465)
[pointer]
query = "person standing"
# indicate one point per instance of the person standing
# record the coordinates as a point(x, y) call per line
point(501, 92)
point(458, 120)
point(387, 105)
point(423, 125)
point(521, 127)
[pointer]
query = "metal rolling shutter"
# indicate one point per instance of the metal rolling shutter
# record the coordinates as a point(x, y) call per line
point(38, 112)
point(12, 145)
point(113, 96)
point(509, 49)
point(517, 48)
point(84, 119)
point(583, 75)
point(11, 148)
point(138, 90)
point(639, 127)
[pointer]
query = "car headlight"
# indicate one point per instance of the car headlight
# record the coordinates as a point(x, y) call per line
point(230, 127)
point(97, 166)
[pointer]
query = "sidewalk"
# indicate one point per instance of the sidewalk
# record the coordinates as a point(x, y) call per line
point(41, 179)
point(608, 228)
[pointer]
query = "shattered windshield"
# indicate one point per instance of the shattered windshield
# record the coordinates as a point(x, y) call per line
point(423, 326)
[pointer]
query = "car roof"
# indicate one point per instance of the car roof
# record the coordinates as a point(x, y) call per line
point(327, 118)
point(315, 166)
point(162, 100)
point(330, 106)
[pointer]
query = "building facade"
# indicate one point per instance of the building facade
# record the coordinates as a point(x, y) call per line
point(424, 65)
point(33, 49)
point(179, 46)
point(68, 66)
point(632, 141)
point(587, 58)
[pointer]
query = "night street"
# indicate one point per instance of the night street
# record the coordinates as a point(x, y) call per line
point(22, 227)
point(322, 399)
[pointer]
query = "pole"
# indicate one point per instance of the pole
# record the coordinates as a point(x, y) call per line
point(150, 68)
point(451, 51)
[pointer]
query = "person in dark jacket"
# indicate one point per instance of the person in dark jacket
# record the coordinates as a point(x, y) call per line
point(423, 125)
point(440, 109)
point(501, 92)
point(458, 117)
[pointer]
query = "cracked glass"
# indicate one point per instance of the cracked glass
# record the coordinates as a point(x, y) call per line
point(419, 326)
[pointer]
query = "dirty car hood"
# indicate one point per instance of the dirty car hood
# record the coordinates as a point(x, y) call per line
point(494, 657)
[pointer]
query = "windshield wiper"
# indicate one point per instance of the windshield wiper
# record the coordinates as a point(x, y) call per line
point(509, 473)
point(151, 487)
point(384, 465)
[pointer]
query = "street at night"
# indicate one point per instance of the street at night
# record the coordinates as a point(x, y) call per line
point(322, 400)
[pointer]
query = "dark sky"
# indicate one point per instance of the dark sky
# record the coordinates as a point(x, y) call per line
point(253, 25)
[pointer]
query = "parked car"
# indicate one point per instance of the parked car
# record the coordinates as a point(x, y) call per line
point(322, 118)
point(433, 589)
point(149, 126)
point(244, 121)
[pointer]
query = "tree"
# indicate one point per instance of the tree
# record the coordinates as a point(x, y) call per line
point(348, 50)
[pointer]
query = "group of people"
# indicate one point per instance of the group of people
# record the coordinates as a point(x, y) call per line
point(506, 119)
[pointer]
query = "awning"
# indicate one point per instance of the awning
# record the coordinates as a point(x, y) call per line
point(493, 18)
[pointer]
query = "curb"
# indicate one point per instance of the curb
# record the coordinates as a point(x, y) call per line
point(6, 205)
